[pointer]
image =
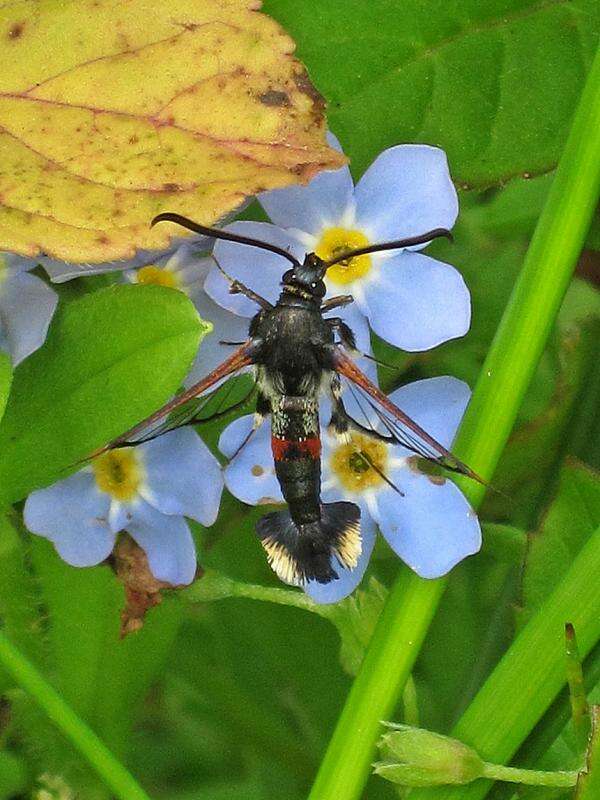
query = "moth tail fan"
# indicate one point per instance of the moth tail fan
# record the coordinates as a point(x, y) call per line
point(299, 553)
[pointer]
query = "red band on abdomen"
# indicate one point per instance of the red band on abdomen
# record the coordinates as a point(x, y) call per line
point(289, 449)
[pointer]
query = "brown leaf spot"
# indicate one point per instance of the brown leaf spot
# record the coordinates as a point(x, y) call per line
point(16, 30)
point(304, 85)
point(171, 187)
point(275, 98)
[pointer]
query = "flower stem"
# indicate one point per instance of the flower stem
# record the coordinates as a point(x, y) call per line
point(505, 376)
point(216, 586)
point(530, 777)
point(112, 772)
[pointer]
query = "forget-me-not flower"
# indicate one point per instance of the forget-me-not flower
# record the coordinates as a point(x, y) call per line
point(411, 300)
point(26, 308)
point(184, 269)
point(424, 517)
point(147, 491)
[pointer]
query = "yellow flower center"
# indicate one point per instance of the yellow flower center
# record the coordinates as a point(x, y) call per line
point(118, 473)
point(159, 276)
point(335, 241)
point(360, 464)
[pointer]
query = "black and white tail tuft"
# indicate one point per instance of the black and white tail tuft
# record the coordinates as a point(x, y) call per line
point(300, 553)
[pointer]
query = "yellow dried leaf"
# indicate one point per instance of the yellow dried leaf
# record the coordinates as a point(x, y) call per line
point(112, 111)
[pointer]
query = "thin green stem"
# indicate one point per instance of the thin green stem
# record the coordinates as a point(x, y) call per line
point(580, 713)
point(217, 586)
point(530, 777)
point(505, 376)
point(112, 772)
point(588, 787)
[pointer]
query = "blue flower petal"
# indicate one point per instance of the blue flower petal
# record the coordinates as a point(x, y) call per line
point(436, 404)
point(251, 475)
point(15, 264)
point(226, 326)
point(182, 476)
point(167, 542)
point(310, 208)
point(26, 308)
point(405, 192)
point(432, 527)
point(73, 515)
point(258, 269)
point(118, 515)
point(61, 271)
point(415, 302)
point(348, 579)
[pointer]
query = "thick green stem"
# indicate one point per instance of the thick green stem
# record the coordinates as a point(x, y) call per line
point(531, 673)
point(504, 379)
point(112, 772)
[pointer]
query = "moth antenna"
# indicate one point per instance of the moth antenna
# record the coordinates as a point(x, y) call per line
point(436, 233)
point(217, 233)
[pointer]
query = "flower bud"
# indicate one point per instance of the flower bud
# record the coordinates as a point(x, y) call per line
point(416, 757)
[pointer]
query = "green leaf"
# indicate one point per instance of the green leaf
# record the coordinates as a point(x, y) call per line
point(111, 358)
point(355, 619)
point(532, 458)
point(83, 607)
point(571, 519)
point(5, 380)
point(13, 776)
point(475, 616)
point(18, 612)
point(495, 84)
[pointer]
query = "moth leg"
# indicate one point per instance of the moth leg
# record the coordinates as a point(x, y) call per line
point(343, 332)
point(348, 340)
point(237, 287)
point(263, 408)
point(341, 421)
point(336, 302)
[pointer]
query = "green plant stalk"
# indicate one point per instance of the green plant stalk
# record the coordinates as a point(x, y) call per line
point(588, 787)
point(505, 376)
point(580, 714)
point(112, 772)
point(531, 777)
point(523, 685)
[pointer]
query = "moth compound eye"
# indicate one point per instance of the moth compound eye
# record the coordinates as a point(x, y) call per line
point(318, 288)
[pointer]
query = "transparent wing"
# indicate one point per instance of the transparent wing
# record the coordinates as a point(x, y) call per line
point(399, 427)
point(184, 409)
